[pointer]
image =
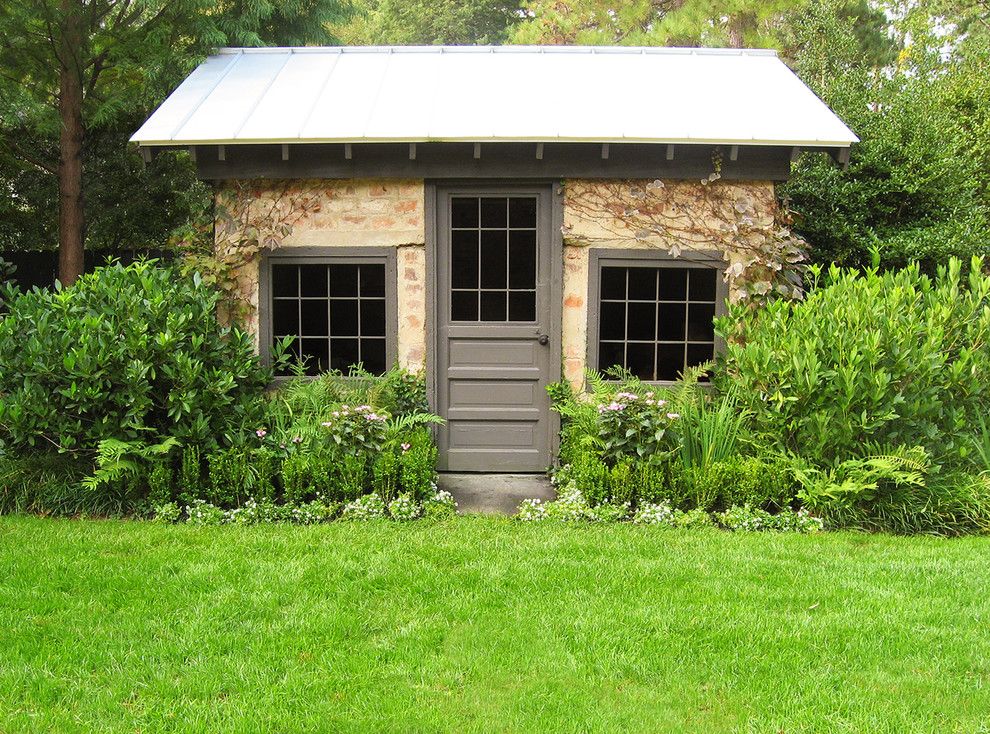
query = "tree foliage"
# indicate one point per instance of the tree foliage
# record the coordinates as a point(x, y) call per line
point(430, 22)
point(89, 72)
point(917, 184)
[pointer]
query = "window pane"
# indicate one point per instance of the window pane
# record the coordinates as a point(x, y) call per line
point(643, 284)
point(373, 280)
point(313, 280)
point(522, 259)
point(464, 211)
point(373, 355)
point(671, 326)
point(285, 280)
point(464, 259)
point(314, 352)
point(314, 318)
point(522, 306)
point(703, 284)
point(285, 317)
point(610, 354)
point(670, 361)
point(343, 317)
point(343, 280)
point(493, 306)
point(493, 259)
point(373, 317)
point(614, 283)
point(699, 354)
point(700, 325)
point(464, 306)
point(343, 353)
point(639, 360)
point(522, 212)
point(493, 212)
point(641, 321)
point(673, 284)
point(612, 321)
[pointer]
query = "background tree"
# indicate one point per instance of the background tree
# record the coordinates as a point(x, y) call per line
point(430, 22)
point(917, 185)
point(78, 76)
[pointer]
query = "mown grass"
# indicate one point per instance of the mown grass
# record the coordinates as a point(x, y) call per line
point(485, 625)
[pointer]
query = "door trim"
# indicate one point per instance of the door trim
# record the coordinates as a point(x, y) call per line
point(433, 191)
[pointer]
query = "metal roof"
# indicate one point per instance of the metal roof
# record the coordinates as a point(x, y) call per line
point(498, 94)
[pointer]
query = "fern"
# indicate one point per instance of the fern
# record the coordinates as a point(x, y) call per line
point(117, 460)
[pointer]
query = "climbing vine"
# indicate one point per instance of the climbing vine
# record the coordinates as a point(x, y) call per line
point(248, 217)
point(766, 259)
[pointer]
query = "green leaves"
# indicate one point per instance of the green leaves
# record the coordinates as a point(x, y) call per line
point(126, 353)
point(895, 358)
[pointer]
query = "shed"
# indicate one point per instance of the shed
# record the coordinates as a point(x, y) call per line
point(500, 217)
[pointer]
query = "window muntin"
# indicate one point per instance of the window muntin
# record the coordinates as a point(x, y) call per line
point(337, 311)
point(493, 258)
point(655, 319)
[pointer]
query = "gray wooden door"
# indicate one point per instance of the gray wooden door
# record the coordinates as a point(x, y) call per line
point(495, 341)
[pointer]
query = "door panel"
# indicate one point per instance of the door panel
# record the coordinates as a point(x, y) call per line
point(494, 303)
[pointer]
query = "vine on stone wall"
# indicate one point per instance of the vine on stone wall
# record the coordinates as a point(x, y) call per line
point(248, 217)
point(766, 258)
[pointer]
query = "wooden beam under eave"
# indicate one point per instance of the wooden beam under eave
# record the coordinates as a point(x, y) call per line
point(795, 153)
point(477, 151)
point(285, 151)
point(221, 152)
point(412, 151)
point(539, 151)
point(843, 158)
point(604, 151)
point(734, 153)
point(670, 152)
point(348, 153)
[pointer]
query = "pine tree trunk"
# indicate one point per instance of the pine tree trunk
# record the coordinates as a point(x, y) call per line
point(71, 217)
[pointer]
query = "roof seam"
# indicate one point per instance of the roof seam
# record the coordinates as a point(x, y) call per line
point(213, 87)
point(261, 95)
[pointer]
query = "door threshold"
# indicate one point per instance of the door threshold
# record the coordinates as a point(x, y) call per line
point(495, 494)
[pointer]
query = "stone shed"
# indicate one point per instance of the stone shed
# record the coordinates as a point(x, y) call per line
point(499, 217)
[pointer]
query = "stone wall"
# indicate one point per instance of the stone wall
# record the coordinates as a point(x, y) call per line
point(362, 213)
point(682, 215)
point(722, 216)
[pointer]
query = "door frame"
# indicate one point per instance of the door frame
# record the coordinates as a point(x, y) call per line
point(433, 191)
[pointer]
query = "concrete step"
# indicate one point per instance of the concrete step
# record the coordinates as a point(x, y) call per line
point(495, 494)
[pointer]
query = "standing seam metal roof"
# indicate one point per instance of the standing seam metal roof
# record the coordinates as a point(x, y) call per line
point(494, 94)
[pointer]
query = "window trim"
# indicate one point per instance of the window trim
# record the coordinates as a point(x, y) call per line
point(603, 257)
point(327, 255)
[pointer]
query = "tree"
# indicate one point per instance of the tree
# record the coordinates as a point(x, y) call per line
point(918, 185)
point(74, 71)
point(430, 22)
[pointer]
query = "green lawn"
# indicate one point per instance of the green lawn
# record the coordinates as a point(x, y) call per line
point(486, 625)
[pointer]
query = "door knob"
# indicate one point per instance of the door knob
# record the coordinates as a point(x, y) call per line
point(544, 339)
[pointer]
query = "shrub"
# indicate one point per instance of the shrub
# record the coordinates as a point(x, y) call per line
point(128, 353)
point(418, 461)
point(890, 358)
point(897, 491)
point(741, 480)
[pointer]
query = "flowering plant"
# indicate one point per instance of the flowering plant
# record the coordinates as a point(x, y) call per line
point(636, 425)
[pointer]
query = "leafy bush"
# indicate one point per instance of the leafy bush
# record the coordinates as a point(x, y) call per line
point(891, 359)
point(128, 353)
point(741, 480)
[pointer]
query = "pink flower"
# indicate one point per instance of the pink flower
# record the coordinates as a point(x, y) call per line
point(673, 416)
point(326, 424)
point(297, 439)
point(261, 433)
point(405, 447)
